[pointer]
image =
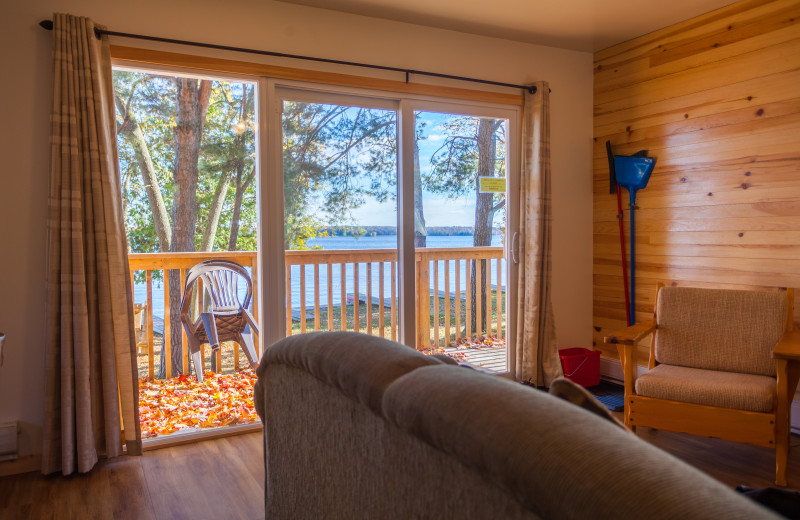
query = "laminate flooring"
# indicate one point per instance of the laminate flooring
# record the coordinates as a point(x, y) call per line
point(218, 479)
point(224, 479)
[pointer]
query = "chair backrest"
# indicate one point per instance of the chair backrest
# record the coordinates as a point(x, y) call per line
point(220, 282)
point(720, 329)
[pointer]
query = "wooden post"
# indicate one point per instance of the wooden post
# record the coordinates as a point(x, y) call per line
point(435, 313)
point(393, 309)
point(167, 336)
point(446, 303)
point(368, 310)
point(457, 299)
point(343, 274)
point(381, 300)
point(288, 300)
point(316, 297)
point(356, 317)
point(302, 298)
point(150, 357)
point(256, 302)
point(479, 297)
point(468, 311)
point(499, 298)
point(330, 296)
point(424, 309)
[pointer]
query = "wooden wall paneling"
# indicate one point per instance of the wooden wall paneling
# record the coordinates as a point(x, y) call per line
point(689, 28)
point(712, 47)
point(715, 100)
point(745, 94)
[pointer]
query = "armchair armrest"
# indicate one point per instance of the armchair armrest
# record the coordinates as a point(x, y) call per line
point(250, 319)
point(632, 334)
point(788, 347)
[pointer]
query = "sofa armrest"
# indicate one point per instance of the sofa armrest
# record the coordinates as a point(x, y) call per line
point(631, 335)
point(788, 347)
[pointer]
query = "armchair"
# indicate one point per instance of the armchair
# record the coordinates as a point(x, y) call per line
point(723, 364)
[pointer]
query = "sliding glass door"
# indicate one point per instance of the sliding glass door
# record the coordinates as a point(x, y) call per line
point(394, 220)
point(460, 186)
point(340, 213)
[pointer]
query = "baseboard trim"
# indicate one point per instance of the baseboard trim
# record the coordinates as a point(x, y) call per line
point(611, 370)
point(24, 464)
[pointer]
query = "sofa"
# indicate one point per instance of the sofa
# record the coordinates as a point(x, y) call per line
point(357, 426)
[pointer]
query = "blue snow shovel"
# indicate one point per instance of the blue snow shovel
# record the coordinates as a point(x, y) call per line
point(632, 173)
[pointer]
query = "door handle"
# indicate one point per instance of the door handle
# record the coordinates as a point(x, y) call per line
point(515, 247)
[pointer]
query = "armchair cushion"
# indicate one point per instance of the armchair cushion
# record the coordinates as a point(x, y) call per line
point(714, 329)
point(749, 392)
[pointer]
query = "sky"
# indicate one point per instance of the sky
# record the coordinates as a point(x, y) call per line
point(438, 210)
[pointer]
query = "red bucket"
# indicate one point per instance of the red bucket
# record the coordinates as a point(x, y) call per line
point(581, 365)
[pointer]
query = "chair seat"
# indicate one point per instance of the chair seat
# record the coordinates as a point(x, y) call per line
point(709, 387)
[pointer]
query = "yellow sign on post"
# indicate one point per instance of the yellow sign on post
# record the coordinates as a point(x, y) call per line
point(492, 184)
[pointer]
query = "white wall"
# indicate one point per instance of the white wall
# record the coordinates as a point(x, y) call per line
point(25, 97)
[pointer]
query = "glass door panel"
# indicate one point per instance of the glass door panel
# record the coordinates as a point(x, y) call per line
point(340, 217)
point(459, 237)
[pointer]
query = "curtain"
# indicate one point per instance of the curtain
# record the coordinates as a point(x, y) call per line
point(91, 407)
point(537, 350)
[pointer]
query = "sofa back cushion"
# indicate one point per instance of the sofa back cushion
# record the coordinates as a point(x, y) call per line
point(719, 329)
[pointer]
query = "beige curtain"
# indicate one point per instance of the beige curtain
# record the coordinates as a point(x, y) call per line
point(537, 351)
point(91, 379)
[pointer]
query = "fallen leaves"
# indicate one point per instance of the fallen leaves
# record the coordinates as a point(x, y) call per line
point(461, 348)
point(170, 405)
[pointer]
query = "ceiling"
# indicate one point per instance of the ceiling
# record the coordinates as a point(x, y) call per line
point(584, 25)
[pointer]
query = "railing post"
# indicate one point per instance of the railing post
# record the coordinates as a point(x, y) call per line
point(256, 303)
point(166, 358)
point(424, 303)
point(149, 278)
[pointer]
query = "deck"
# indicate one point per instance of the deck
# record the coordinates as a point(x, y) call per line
point(460, 312)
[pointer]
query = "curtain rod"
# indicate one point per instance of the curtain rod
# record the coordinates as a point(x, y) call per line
point(48, 24)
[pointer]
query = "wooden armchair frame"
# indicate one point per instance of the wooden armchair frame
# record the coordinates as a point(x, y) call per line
point(770, 429)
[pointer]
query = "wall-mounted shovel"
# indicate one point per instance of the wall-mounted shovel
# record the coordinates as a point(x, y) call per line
point(632, 173)
point(614, 188)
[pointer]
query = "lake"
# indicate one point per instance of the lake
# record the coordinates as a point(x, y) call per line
point(350, 242)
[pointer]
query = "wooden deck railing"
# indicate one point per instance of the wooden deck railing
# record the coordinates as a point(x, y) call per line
point(480, 260)
point(368, 303)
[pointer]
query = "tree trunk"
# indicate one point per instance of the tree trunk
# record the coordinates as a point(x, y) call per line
point(131, 131)
point(192, 104)
point(484, 214)
point(242, 183)
point(210, 232)
point(420, 230)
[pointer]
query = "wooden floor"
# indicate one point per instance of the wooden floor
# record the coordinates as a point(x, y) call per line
point(219, 479)
point(224, 479)
point(731, 463)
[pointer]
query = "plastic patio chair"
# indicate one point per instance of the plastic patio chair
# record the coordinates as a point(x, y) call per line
point(223, 316)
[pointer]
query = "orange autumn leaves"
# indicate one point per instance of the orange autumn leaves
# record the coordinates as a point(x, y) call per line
point(459, 348)
point(170, 405)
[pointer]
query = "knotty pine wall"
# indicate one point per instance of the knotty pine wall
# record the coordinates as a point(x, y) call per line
point(716, 99)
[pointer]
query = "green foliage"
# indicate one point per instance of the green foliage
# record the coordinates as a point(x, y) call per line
point(455, 162)
point(333, 157)
point(227, 154)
